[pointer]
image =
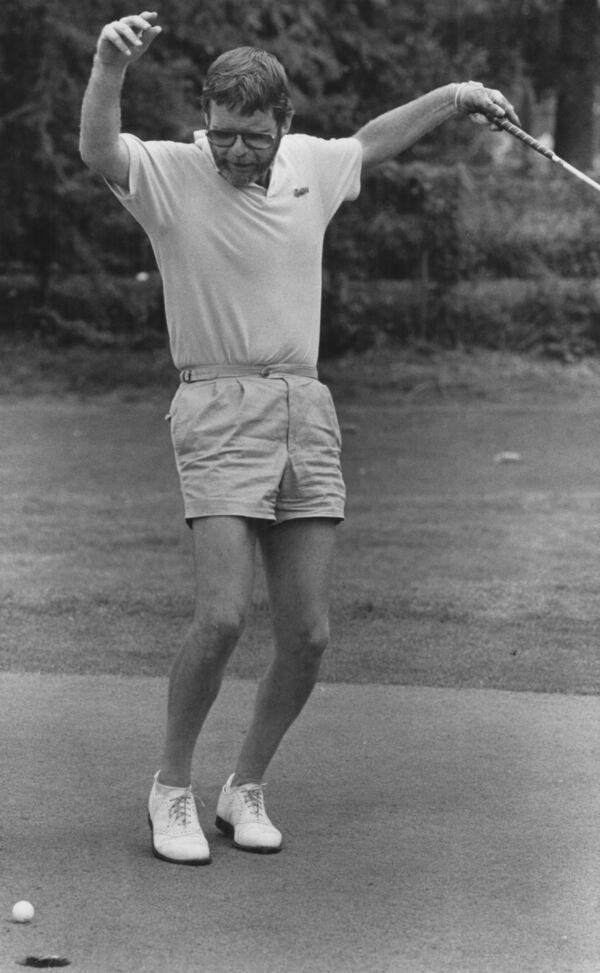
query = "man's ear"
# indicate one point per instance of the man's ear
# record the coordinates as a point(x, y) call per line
point(287, 123)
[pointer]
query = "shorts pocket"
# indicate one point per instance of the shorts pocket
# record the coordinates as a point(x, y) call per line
point(329, 410)
point(204, 415)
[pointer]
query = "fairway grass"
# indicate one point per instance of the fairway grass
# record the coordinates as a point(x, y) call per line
point(454, 568)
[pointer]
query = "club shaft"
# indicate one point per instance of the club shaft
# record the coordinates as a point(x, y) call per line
point(544, 150)
point(577, 172)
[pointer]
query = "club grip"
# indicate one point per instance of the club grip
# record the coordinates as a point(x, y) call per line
point(524, 137)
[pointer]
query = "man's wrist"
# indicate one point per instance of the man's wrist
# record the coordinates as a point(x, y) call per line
point(459, 90)
point(114, 72)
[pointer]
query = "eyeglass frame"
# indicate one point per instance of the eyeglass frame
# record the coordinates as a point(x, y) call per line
point(243, 135)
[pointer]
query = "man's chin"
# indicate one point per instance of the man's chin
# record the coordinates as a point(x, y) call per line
point(239, 177)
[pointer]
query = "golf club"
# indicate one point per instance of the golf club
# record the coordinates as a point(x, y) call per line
point(518, 133)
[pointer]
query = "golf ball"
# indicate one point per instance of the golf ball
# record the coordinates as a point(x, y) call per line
point(23, 911)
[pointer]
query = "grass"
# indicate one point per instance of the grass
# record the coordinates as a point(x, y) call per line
point(454, 569)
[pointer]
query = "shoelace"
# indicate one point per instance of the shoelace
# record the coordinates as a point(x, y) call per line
point(254, 799)
point(180, 808)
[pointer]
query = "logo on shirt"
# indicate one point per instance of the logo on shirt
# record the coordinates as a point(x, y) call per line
point(301, 191)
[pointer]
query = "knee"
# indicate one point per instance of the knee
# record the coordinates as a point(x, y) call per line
point(215, 633)
point(311, 641)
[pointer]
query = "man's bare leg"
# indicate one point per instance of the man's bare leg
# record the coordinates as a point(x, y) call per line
point(298, 558)
point(224, 563)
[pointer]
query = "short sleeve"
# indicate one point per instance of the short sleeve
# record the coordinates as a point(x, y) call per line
point(156, 175)
point(338, 163)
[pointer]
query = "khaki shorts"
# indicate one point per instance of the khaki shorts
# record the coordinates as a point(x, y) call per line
point(266, 448)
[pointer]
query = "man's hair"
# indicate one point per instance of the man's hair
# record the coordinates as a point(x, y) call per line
point(248, 79)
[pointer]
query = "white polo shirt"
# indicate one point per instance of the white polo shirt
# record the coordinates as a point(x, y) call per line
point(241, 268)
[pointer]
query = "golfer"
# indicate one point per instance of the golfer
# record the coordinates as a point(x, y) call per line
point(236, 219)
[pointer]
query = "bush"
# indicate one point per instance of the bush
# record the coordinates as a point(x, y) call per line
point(555, 317)
point(527, 226)
point(98, 310)
point(406, 215)
point(364, 314)
point(492, 257)
point(127, 309)
point(19, 293)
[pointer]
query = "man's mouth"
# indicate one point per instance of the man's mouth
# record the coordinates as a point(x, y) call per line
point(240, 173)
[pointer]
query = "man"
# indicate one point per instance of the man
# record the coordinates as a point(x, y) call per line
point(236, 220)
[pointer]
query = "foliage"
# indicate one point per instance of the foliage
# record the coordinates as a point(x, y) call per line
point(70, 255)
point(576, 71)
point(515, 42)
point(511, 263)
point(339, 60)
point(556, 316)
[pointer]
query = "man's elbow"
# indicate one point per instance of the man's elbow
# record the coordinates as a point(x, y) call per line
point(85, 156)
point(88, 154)
point(112, 164)
point(370, 157)
point(93, 157)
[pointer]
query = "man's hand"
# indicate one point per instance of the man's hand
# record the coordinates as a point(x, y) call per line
point(125, 40)
point(482, 104)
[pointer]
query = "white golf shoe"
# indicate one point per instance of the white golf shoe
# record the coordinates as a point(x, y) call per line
point(176, 832)
point(241, 815)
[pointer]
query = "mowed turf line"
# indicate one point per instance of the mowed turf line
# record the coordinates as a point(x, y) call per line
point(454, 569)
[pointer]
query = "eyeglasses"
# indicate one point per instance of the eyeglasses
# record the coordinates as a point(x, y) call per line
point(224, 138)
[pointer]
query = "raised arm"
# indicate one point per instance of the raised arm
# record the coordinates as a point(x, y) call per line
point(119, 45)
point(387, 135)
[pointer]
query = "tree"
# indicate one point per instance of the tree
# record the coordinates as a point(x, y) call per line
point(346, 62)
point(576, 76)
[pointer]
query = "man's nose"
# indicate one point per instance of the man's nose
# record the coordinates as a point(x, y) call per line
point(238, 146)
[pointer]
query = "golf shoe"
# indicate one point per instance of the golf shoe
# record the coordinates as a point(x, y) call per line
point(241, 815)
point(176, 832)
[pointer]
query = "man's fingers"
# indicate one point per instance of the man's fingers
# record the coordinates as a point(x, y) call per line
point(122, 36)
point(133, 33)
point(500, 107)
point(114, 33)
point(482, 104)
point(490, 104)
point(141, 22)
point(512, 115)
point(129, 34)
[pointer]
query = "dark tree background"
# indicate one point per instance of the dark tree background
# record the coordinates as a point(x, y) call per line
point(69, 255)
point(576, 77)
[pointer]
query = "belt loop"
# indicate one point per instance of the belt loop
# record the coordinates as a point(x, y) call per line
point(186, 376)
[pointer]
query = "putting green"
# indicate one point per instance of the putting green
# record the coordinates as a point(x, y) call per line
point(427, 830)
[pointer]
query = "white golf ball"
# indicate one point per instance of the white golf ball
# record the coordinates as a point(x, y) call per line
point(23, 911)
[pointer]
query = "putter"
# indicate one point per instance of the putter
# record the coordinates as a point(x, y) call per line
point(518, 133)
